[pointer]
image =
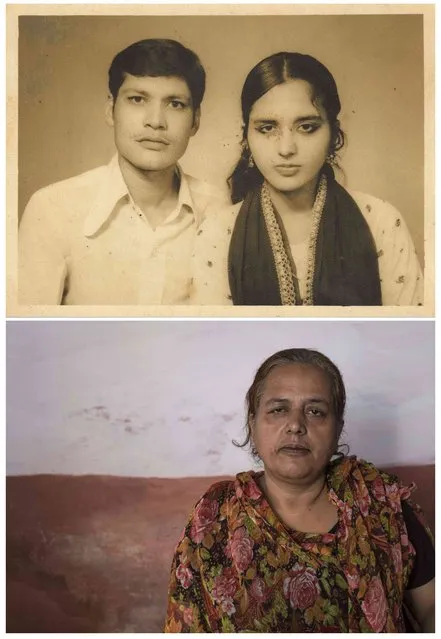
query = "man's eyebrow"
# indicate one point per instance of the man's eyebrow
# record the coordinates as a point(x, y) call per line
point(173, 96)
point(178, 96)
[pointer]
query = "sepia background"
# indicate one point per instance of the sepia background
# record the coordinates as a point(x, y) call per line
point(115, 429)
point(377, 61)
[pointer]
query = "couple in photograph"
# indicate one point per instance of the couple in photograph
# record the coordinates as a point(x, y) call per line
point(139, 231)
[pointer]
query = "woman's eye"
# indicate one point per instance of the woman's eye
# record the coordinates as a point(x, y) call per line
point(266, 128)
point(136, 99)
point(315, 412)
point(278, 410)
point(308, 127)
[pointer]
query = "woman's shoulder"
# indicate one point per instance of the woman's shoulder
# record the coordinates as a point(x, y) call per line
point(400, 272)
point(218, 492)
point(207, 517)
point(354, 466)
point(221, 217)
point(226, 489)
point(378, 213)
point(217, 226)
point(210, 257)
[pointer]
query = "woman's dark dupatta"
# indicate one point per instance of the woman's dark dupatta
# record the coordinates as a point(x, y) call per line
point(346, 263)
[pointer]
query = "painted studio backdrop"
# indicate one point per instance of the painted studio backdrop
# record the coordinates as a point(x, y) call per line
point(115, 429)
point(377, 61)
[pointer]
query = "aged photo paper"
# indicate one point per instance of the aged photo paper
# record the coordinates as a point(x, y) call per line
point(382, 59)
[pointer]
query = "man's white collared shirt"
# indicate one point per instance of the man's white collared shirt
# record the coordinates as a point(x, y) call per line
point(84, 241)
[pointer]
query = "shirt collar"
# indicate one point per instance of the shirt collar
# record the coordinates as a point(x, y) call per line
point(113, 189)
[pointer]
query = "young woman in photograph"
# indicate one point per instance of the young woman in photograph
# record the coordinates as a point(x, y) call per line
point(295, 236)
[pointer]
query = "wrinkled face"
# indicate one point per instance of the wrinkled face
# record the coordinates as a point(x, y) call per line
point(289, 137)
point(294, 430)
point(153, 120)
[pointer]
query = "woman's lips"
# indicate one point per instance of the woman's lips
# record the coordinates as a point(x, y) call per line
point(287, 170)
point(296, 451)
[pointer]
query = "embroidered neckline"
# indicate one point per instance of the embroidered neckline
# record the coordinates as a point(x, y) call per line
point(284, 271)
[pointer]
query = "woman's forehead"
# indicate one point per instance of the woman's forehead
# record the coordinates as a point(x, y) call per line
point(294, 97)
point(298, 378)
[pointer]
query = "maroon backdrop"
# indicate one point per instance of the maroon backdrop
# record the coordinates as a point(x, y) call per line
point(93, 553)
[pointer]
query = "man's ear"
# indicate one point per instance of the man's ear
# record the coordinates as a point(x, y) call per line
point(109, 111)
point(196, 121)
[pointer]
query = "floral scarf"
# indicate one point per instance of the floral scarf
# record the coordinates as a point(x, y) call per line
point(238, 569)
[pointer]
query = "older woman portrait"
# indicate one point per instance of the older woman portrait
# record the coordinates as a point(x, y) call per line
point(295, 235)
point(315, 542)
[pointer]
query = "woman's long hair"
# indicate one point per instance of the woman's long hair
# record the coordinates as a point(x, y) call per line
point(268, 73)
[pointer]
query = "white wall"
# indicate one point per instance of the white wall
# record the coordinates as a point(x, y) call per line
point(165, 398)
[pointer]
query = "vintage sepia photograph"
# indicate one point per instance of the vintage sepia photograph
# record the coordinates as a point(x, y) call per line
point(271, 161)
point(220, 303)
point(220, 476)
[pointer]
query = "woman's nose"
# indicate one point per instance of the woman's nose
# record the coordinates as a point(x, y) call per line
point(296, 422)
point(287, 143)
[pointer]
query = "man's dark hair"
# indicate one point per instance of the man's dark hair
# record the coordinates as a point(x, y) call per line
point(157, 58)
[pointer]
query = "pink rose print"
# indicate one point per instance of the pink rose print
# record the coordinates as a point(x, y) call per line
point(252, 491)
point(378, 489)
point(204, 515)
point(188, 616)
point(240, 549)
point(363, 504)
point(225, 585)
point(301, 587)
point(394, 497)
point(353, 580)
point(374, 605)
point(184, 575)
point(346, 516)
point(397, 558)
point(364, 501)
point(405, 541)
point(258, 590)
point(228, 606)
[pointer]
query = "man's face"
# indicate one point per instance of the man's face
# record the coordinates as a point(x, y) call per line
point(153, 120)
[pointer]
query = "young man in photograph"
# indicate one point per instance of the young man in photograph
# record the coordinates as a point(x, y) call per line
point(124, 233)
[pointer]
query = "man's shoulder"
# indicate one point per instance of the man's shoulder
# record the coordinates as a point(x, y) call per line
point(69, 187)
